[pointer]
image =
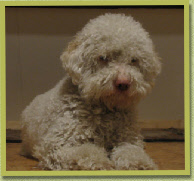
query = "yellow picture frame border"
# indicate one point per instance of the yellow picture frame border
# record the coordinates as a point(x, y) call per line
point(185, 3)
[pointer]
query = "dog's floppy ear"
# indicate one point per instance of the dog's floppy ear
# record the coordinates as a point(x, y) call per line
point(153, 69)
point(72, 61)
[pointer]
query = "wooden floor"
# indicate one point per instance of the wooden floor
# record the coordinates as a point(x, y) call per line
point(167, 155)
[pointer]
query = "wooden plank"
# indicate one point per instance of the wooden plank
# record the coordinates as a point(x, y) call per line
point(170, 134)
point(14, 135)
point(167, 155)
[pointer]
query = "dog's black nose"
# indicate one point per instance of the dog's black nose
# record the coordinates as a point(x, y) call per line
point(122, 85)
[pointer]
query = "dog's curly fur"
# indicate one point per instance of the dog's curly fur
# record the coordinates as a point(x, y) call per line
point(88, 122)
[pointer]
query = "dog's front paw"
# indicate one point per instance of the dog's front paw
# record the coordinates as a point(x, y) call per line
point(132, 157)
point(92, 163)
point(83, 157)
point(126, 163)
point(88, 157)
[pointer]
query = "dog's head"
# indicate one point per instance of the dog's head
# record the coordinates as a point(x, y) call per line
point(112, 60)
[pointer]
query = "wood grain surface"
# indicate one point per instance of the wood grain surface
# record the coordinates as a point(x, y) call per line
point(167, 155)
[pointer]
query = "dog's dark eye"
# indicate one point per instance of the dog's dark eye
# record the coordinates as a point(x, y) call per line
point(134, 60)
point(103, 59)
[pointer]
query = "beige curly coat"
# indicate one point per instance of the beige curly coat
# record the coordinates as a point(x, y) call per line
point(88, 120)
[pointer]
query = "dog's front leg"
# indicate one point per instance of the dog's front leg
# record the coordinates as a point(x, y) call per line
point(84, 157)
point(131, 157)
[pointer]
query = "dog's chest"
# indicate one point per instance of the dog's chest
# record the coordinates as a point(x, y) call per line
point(99, 126)
point(106, 127)
point(110, 129)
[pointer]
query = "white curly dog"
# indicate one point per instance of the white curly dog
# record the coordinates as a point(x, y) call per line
point(88, 121)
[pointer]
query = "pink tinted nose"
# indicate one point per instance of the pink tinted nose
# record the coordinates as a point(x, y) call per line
point(122, 84)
